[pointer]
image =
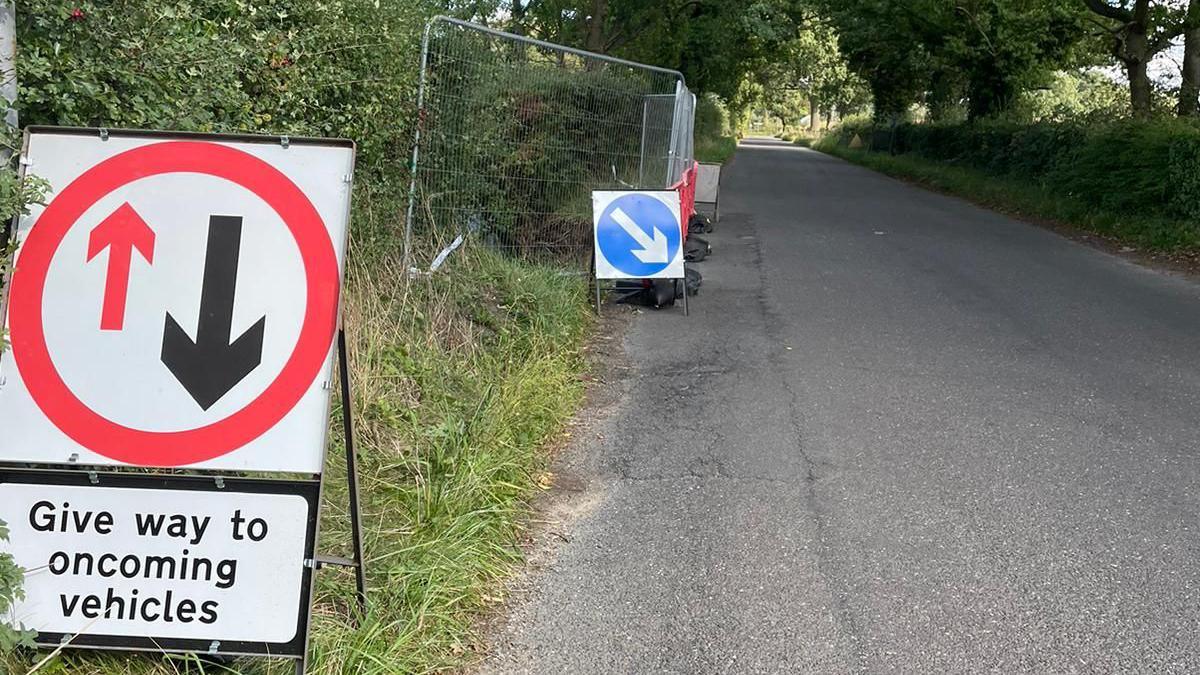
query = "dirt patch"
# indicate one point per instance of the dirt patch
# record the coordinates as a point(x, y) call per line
point(568, 493)
point(1184, 263)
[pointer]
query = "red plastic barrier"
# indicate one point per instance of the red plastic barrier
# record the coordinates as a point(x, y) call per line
point(687, 195)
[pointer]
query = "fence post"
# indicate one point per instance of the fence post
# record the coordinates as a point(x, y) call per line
point(416, 149)
point(8, 60)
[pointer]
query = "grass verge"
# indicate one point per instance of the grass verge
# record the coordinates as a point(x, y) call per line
point(715, 149)
point(1027, 199)
point(460, 380)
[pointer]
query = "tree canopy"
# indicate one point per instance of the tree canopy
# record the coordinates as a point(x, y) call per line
point(968, 58)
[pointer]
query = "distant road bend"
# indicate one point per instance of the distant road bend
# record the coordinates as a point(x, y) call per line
point(898, 433)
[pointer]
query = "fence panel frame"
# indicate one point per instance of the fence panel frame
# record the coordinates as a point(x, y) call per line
point(680, 144)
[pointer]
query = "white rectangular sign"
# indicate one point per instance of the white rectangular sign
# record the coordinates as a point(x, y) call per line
point(708, 183)
point(175, 302)
point(217, 565)
point(638, 234)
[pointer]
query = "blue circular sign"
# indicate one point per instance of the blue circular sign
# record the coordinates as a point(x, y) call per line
point(638, 235)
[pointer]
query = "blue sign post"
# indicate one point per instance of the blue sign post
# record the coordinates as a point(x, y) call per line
point(638, 235)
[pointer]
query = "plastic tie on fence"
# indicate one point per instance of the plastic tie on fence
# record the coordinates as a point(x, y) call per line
point(473, 225)
point(441, 257)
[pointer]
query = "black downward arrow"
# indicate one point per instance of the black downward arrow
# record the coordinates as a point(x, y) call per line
point(210, 366)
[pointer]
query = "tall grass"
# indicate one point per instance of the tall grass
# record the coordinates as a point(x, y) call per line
point(715, 150)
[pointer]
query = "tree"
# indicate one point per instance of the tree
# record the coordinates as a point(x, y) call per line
point(945, 51)
point(1074, 95)
point(1189, 87)
point(714, 42)
point(809, 65)
point(999, 53)
point(1137, 33)
point(884, 42)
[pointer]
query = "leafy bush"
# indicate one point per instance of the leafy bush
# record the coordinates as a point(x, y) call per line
point(11, 577)
point(712, 117)
point(332, 68)
point(715, 139)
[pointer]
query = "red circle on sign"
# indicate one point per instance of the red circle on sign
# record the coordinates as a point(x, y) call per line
point(173, 448)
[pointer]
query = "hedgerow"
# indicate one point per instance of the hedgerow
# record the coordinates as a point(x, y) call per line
point(342, 68)
point(1140, 169)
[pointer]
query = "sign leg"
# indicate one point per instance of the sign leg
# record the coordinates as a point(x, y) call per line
point(360, 572)
point(595, 280)
point(685, 295)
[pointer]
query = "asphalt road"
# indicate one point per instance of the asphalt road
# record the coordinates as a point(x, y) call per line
point(898, 433)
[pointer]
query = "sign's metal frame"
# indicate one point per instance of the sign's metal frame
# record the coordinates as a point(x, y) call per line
point(658, 194)
point(213, 477)
point(598, 285)
point(716, 202)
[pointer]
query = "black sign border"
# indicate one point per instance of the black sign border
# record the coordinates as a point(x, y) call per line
point(310, 490)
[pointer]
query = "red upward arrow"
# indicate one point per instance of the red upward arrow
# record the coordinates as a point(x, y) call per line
point(120, 233)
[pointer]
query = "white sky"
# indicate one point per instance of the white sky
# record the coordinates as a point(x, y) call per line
point(1164, 69)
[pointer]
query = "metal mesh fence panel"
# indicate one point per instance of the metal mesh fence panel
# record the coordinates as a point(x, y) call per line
point(656, 147)
point(515, 133)
point(682, 137)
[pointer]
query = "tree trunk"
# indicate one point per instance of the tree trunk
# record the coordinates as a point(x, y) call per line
point(595, 35)
point(1136, 56)
point(1131, 44)
point(828, 117)
point(813, 113)
point(516, 23)
point(1189, 87)
point(1141, 94)
point(990, 91)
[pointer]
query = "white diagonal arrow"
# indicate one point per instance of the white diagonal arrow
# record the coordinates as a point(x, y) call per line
point(653, 250)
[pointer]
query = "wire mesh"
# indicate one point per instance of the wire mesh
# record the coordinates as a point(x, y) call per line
point(514, 134)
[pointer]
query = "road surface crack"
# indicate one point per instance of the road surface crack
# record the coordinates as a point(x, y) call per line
point(815, 471)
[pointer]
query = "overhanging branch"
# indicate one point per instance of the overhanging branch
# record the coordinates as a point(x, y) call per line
point(1104, 9)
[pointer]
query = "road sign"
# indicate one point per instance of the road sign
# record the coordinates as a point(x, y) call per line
point(708, 183)
point(638, 235)
point(175, 302)
point(168, 563)
point(708, 188)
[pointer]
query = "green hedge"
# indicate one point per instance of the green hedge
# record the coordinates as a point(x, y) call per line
point(715, 139)
point(1139, 168)
point(333, 68)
